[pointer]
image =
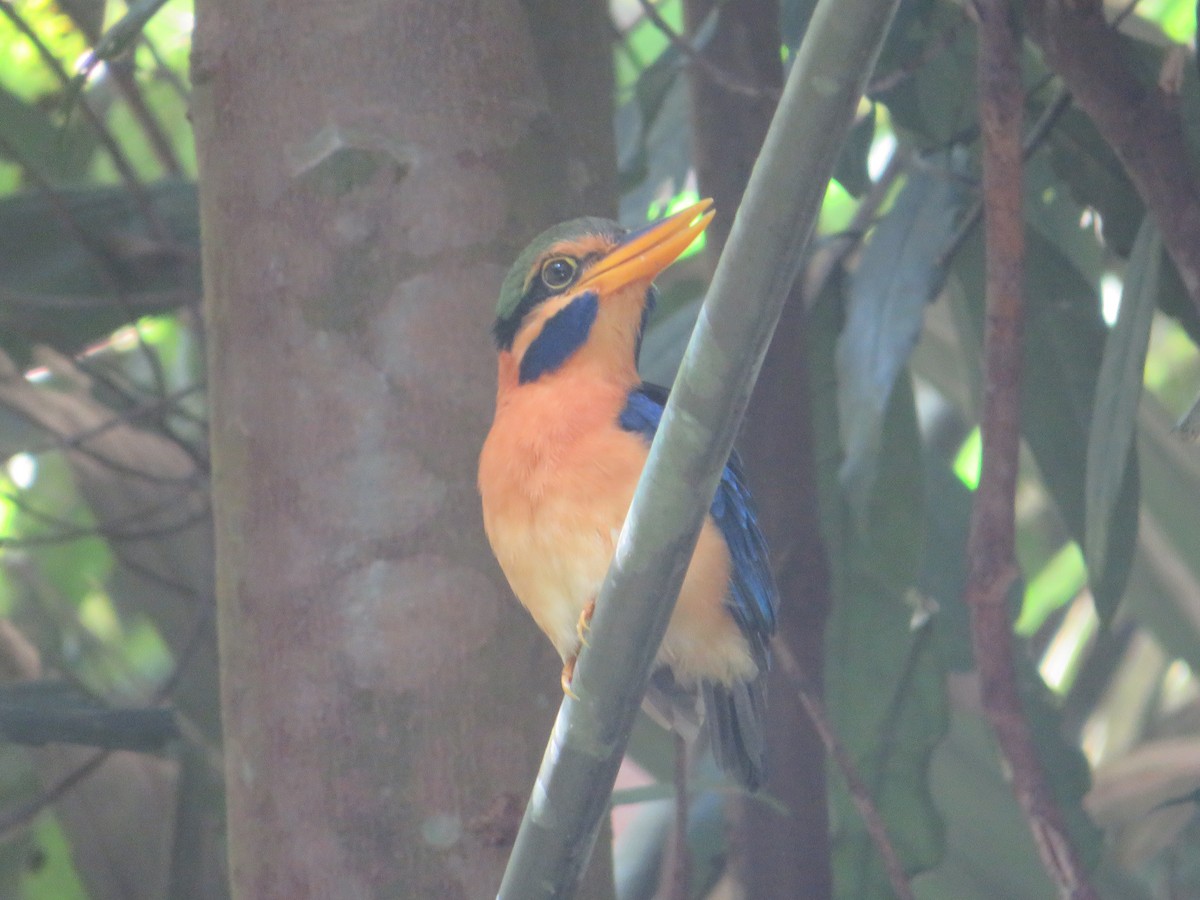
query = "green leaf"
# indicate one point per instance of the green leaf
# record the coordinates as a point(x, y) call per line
point(883, 678)
point(899, 273)
point(944, 561)
point(1114, 415)
point(74, 270)
point(931, 97)
point(1065, 767)
point(31, 136)
point(851, 170)
point(42, 712)
point(55, 878)
point(885, 683)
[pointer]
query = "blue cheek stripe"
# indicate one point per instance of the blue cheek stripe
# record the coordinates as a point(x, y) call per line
point(563, 334)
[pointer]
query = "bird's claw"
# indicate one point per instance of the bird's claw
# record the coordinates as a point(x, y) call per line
point(584, 625)
point(568, 673)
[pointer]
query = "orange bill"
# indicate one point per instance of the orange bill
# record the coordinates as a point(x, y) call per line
point(645, 252)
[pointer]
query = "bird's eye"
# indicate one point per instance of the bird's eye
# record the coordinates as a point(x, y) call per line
point(558, 272)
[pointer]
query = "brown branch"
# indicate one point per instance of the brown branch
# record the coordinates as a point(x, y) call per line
point(872, 820)
point(1140, 122)
point(990, 549)
point(1037, 135)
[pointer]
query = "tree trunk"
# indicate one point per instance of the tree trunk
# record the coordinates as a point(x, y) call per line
point(368, 170)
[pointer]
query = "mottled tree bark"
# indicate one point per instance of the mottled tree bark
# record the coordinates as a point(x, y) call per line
point(368, 170)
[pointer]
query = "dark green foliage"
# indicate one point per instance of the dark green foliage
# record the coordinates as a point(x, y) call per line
point(79, 265)
point(900, 271)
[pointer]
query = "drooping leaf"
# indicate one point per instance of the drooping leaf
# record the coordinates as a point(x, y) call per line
point(1118, 390)
point(944, 562)
point(887, 686)
point(884, 679)
point(930, 95)
point(899, 273)
point(30, 135)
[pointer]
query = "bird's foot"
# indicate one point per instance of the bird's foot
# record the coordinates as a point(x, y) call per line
point(568, 673)
point(584, 625)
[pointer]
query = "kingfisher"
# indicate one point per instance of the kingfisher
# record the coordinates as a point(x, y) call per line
point(557, 473)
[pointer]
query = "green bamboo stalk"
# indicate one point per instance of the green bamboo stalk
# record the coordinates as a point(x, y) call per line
point(710, 394)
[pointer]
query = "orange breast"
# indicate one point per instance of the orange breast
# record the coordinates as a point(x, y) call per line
point(557, 475)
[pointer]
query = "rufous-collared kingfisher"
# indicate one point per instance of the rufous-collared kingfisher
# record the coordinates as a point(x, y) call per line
point(558, 470)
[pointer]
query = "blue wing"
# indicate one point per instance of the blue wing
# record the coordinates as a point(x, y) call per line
point(735, 714)
point(752, 592)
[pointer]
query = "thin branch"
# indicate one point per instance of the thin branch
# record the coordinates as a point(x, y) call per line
point(711, 70)
point(21, 815)
point(119, 160)
point(165, 72)
point(156, 135)
point(833, 252)
point(190, 479)
point(107, 532)
point(930, 51)
point(679, 858)
point(872, 820)
point(1033, 141)
point(992, 567)
point(105, 266)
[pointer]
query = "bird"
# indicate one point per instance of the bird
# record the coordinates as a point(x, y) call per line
point(558, 468)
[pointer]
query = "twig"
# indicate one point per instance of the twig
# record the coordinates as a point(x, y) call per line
point(121, 468)
point(104, 265)
point(929, 52)
point(679, 857)
point(872, 820)
point(715, 73)
point(991, 557)
point(825, 259)
point(165, 72)
point(107, 532)
point(20, 816)
point(119, 160)
point(1033, 141)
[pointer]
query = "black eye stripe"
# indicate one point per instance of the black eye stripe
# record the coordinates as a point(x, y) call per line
point(537, 291)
